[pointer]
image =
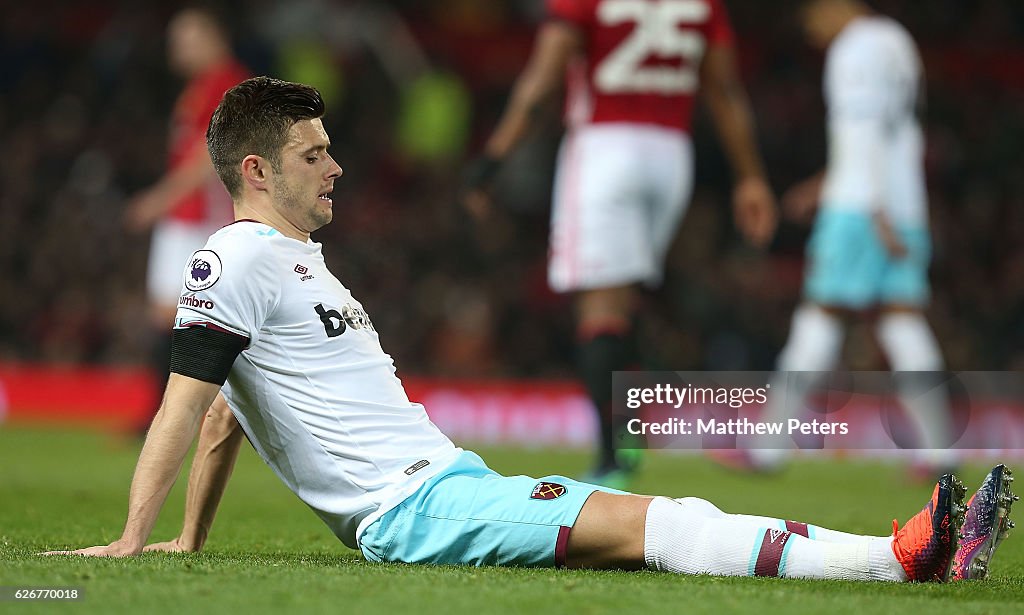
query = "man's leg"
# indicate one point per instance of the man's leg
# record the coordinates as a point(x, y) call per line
point(815, 341)
point(626, 531)
point(609, 532)
point(807, 530)
point(618, 197)
point(844, 261)
point(605, 344)
point(910, 346)
point(632, 532)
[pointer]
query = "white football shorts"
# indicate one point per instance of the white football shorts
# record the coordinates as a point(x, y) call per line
point(172, 244)
point(620, 192)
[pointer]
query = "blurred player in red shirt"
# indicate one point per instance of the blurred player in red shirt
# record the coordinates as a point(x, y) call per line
point(189, 202)
point(625, 168)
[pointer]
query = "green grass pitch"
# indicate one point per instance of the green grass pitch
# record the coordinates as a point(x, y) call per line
point(269, 553)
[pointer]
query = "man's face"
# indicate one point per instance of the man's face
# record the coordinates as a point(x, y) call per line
point(301, 190)
point(191, 42)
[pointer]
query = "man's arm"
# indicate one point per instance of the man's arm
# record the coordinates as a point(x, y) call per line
point(801, 200)
point(220, 439)
point(557, 42)
point(753, 201)
point(151, 204)
point(169, 438)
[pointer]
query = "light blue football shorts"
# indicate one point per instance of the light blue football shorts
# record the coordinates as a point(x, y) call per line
point(469, 514)
point(848, 265)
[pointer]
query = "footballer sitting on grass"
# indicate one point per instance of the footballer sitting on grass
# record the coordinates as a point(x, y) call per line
point(303, 375)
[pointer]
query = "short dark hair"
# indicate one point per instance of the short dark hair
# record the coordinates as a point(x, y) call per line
point(254, 118)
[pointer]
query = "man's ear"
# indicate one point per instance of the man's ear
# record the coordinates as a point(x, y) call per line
point(255, 171)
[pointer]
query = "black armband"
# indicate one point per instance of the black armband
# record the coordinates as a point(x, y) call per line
point(205, 353)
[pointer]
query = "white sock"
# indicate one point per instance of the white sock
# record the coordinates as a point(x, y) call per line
point(680, 539)
point(815, 340)
point(910, 346)
point(813, 532)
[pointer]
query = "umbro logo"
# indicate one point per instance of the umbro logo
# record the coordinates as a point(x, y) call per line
point(775, 534)
point(191, 301)
point(416, 467)
point(304, 272)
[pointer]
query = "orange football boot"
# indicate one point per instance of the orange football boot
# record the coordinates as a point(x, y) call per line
point(926, 544)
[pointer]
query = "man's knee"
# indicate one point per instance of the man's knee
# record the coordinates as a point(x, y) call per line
point(701, 507)
point(601, 306)
point(609, 532)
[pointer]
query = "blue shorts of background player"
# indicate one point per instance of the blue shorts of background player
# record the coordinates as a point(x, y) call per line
point(849, 266)
point(470, 514)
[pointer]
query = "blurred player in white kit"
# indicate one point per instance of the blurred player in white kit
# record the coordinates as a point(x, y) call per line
point(633, 69)
point(870, 246)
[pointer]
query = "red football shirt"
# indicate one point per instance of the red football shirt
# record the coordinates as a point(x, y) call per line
point(192, 113)
point(642, 58)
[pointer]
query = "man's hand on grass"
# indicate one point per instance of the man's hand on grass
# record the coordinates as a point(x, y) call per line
point(114, 549)
point(171, 546)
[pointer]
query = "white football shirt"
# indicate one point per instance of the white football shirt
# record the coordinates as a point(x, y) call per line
point(313, 390)
point(876, 150)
